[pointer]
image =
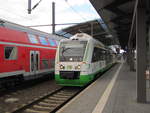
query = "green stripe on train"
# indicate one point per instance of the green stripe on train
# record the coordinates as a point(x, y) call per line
point(83, 80)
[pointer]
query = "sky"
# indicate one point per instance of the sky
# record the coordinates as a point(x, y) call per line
point(67, 11)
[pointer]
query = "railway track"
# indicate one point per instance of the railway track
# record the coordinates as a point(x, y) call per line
point(50, 103)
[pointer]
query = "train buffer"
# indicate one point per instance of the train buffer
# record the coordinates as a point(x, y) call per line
point(114, 92)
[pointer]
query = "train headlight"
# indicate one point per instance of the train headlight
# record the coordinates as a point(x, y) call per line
point(71, 59)
point(62, 67)
point(78, 67)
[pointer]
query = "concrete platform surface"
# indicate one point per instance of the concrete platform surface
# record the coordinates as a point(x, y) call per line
point(114, 92)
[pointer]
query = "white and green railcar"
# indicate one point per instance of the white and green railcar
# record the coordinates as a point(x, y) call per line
point(79, 60)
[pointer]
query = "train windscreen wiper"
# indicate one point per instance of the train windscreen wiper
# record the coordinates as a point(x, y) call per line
point(64, 49)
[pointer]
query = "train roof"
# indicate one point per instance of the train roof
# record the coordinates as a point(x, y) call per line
point(10, 25)
point(84, 36)
point(81, 36)
point(11, 32)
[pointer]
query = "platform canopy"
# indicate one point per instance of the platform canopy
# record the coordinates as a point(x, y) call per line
point(117, 14)
point(95, 28)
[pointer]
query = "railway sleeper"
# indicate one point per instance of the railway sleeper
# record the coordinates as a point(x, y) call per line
point(54, 103)
point(65, 91)
point(61, 96)
point(35, 111)
point(44, 104)
point(42, 108)
point(57, 98)
point(67, 94)
point(53, 100)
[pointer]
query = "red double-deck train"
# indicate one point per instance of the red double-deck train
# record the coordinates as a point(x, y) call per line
point(25, 53)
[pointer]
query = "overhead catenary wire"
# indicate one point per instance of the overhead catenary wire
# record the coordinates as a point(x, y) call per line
point(73, 9)
point(29, 6)
point(45, 25)
point(51, 24)
point(36, 5)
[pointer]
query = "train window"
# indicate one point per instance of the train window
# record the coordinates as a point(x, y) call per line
point(98, 54)
point(11, 53)
point(102, 54)
point(45, 64)
point(95, 55)
point(43, 41)
point(52, 42)
point(33, 39)
point(57, 42)
point(72, 51)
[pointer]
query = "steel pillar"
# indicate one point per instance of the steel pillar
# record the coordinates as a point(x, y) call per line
point(128, 57)
point(29, 6)
point(148, 47)
point(53, 17)
point(131, 59)
point(141, 53)
point(91, 29)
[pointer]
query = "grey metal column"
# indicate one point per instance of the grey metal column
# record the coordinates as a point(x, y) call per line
point(53, 17)
point(131, 52)
point(149, 47)
point(91, 29)
point(29, 6)
point(141, 53)
point(128, 57)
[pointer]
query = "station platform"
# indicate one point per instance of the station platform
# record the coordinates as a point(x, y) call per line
point(114, 92)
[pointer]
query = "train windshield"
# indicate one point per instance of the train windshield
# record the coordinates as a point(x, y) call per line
point(72, 51)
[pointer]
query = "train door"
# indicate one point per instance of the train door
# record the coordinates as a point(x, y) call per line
point(34, 61)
